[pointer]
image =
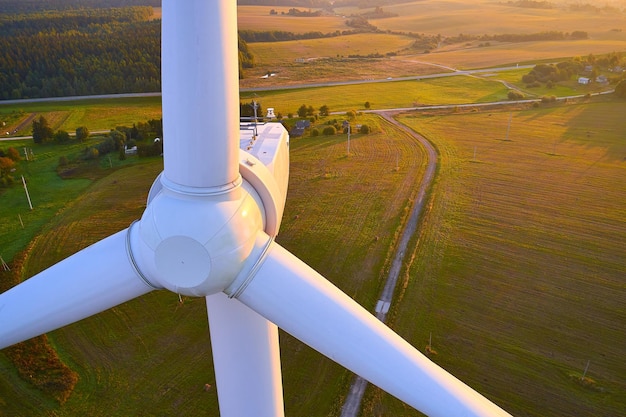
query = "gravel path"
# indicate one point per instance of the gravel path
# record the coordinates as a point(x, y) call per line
point(352, 405)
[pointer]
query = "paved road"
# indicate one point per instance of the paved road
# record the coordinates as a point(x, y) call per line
point(352, 405)
point(453, 72)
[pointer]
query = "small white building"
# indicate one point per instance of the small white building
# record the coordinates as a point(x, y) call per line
point(584, 80)
point(270, 113)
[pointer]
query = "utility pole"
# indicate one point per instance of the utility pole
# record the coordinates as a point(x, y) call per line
point(508, 128)
point(27, 195)
point(255, 106)
point(348, 139)
point(346, 127)
point(4, 264)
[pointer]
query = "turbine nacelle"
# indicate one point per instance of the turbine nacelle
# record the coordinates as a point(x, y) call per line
point(196, 241)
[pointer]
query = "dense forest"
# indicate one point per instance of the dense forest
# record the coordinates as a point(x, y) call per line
point(68, 50)
point(26, 6)
point(79, 52)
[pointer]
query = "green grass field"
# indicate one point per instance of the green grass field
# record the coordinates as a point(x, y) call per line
point(95, 114)
point(125, 356)
point(451, 90)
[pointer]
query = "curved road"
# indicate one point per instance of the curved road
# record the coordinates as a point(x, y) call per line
point(352, 405)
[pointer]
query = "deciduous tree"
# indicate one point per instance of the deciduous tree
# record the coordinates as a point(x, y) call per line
point(302, 111)
point(42, 132)
point(82, 133)
point(13, 154)
point(6, 165)
point(61, 137)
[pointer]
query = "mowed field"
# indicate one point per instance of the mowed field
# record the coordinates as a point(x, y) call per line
point(152, 356)
point(258, 18)
point(453, 17)
point(519, 270)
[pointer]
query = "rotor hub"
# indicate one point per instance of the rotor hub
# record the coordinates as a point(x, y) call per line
point(195, 243)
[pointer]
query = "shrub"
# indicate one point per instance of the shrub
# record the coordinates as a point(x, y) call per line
point(82, 133)
point(515, 95)
point(620, 89)
point(91, 153)
point(365, 129)
point(13, 154)
point(62, 136)
point(152, 149)
point(330, 130)
point(6, 181)
point(315, 132)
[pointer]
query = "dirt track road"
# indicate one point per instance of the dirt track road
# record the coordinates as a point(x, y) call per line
point(352, 405)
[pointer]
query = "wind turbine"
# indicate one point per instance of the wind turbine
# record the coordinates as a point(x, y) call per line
point(208, 231)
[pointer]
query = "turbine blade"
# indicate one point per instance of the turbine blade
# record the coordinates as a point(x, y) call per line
point(200, 87)
point(300, 301)
point(246, 359)
point(95, 279)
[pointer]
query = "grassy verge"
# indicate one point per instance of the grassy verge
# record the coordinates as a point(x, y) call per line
point(95, 114)
point(394, 94)
point(49, 194)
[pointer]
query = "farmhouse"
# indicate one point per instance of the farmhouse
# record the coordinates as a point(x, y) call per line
point(298, 129)
point(584, 80)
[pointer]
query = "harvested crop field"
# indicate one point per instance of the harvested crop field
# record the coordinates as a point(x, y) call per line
point(519, 272)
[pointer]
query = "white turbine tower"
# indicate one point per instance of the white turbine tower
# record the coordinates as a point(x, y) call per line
point(208, 231)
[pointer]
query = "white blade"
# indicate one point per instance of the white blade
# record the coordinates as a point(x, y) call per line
point(246, 359)
point(90, 281)
point(301, 302)
point(200, 92)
